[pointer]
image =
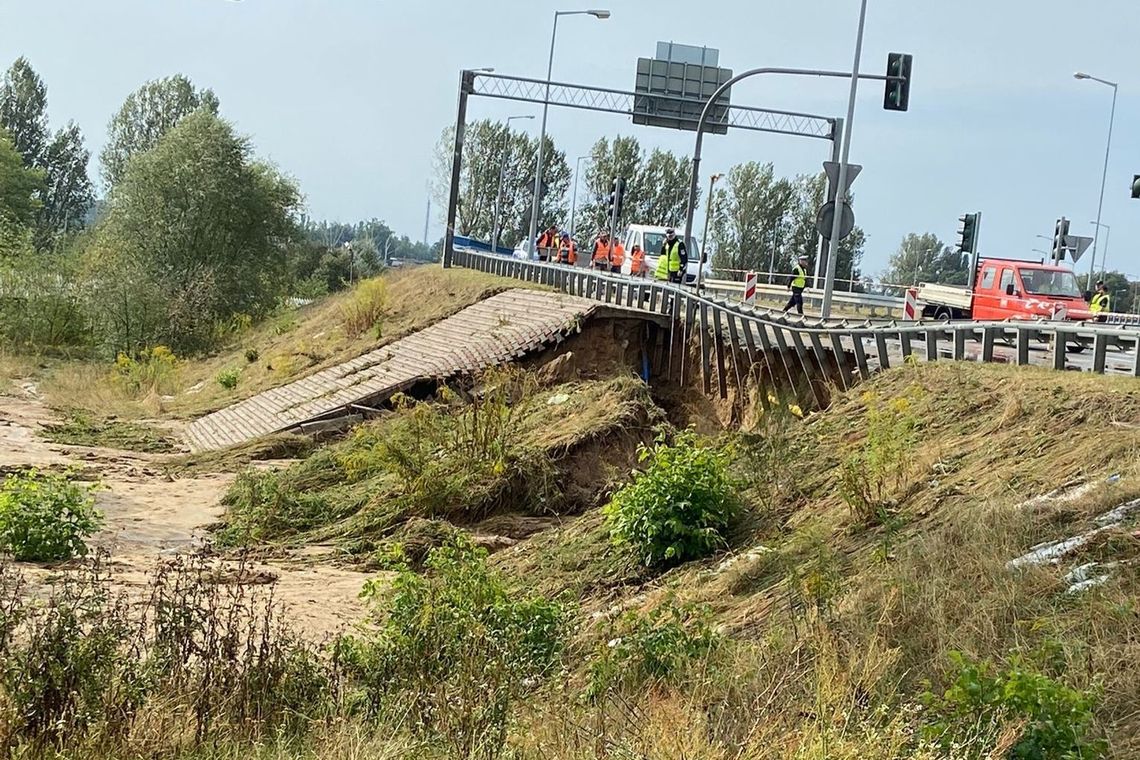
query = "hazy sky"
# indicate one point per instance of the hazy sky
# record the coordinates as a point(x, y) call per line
point(349, 96)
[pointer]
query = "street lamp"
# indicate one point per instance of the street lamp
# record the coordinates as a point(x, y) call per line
point(1104, 175)
point(497, 224)
point(705, 235)
point(598, 14)
point(1104, 256)
point(574, 197)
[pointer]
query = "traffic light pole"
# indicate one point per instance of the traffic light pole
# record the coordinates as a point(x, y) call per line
point(841, 183)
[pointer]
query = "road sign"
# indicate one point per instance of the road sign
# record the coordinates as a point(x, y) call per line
point(1077, 246)
point(831, 169)
point(826, 217)
point(673, 88)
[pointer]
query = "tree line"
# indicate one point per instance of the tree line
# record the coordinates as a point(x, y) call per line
point(190, 230)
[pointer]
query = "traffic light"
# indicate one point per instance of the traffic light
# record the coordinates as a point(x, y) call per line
point(1136, 186)
point(617, 197)
point(1060, 239)
point(968, 233)
point(897, 95)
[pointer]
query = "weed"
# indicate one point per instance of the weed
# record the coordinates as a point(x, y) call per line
point(151, 371)
point(659, 646)
point(228, 378)
point(872, 476)
point(678, 508)
point(45, 517)
point(456, 649)
point(264, 506)
point(1054, 720)
point(252, 355)
point(365, 307)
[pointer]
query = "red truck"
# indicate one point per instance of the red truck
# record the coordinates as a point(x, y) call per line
point(1008, 289)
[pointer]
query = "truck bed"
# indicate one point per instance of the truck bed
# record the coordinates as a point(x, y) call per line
point(957, 296)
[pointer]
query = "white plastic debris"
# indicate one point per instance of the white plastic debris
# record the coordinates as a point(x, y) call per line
point(1052, 553)
point(558, 399)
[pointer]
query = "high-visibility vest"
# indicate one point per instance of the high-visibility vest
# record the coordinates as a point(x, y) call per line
point(670, 261)
point(617, 255)
point(799, 277)
point(1100, 302)
point(601, 252)
point(568, 252)
point(637, 264)
point(547, 240)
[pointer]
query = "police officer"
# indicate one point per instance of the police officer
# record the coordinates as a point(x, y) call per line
point(673, 259)
point(1101, 301)
point(797, 285)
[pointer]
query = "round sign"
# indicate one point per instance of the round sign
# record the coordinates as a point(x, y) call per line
point(825, 219)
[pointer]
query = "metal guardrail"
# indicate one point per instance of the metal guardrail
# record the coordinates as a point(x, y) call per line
point(735, 329)
point(859, 303)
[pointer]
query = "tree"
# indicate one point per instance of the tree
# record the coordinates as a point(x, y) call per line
point(146, 115)
point(485, 145)
point(196, 234)
point(20, 187)
point(925, 258)
point(67, 194)
point(750, 221)
point(656, 186)
point(23, 111)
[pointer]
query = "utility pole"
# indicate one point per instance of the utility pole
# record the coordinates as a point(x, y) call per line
point(427, 220)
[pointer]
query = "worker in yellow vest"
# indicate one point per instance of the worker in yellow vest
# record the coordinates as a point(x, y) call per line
point(672, 260)
point(797, 284)
point(1101, 301)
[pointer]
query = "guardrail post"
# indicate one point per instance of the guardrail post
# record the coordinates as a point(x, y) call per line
point(989, 335)
point(904, 339)
point(1022, 346)
point(860, 355)
point(734, 344)
point(1136, 357)
point(1100, 351)
point(1060, 344)
point(706, 367)
point(959, 344)
point(718, 344)
point(881, 347)
point(840, 355)
point(932, 345)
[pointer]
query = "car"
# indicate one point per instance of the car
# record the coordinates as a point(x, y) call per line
point(651, 237)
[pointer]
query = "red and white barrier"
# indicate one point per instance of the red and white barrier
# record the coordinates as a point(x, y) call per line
point(910, 305)
point(750, 287)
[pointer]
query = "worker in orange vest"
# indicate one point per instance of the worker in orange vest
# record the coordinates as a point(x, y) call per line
point(601, 258)
point(547, 244)
point(567, 250)
point(637, 265)
point(617, 256)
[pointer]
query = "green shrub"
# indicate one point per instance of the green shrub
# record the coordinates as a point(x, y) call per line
point(1057, 720)
point(228, 378)
point(455, 648)
point(365, 306)
point(658, 646)
point(252, 355)
point(677, 508)
point(46, 517)
point(872, 476)
point(151, 370)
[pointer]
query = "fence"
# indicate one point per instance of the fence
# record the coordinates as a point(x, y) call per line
point(748, 335)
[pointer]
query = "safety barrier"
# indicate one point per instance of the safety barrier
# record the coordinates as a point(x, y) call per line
point(850, 348)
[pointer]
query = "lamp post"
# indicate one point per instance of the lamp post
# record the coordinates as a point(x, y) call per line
point(705, 235)
point(1104, 175)
point(497, 225)
point(599, 14)
point(574, 196)
point(1107, 238)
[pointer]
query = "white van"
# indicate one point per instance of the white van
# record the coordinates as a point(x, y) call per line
point(651, 237)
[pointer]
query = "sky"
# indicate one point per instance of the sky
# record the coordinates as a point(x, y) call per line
point(350, 96)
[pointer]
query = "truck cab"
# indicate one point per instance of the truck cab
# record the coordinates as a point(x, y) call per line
point(1011, 289)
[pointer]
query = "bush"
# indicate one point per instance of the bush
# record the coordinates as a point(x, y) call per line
point(228, 378)
point(263, 506)
point(872, 477)
point(1057, 720)
point(678, 508)
point(45, 517)
point(365, 306)
point(658, 646)
point(456, 648)
point(150, 371)
point(252, 355)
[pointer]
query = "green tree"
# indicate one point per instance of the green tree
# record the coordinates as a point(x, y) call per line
point(147, 114)
point(23, 111)
point(751, 219)
point(196, 234)
point(67, 194)
point(925, 258)
point(20, 188)
point(656, 185)
point(485, 145)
